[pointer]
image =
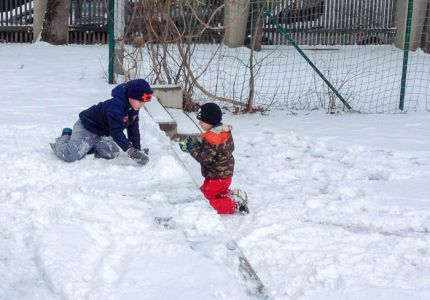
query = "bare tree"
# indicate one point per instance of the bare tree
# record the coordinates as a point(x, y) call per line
point(172, 32)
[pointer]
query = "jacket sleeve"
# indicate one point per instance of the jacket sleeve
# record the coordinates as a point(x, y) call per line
point(115, 123)
point(204, 154)
point(133, 134)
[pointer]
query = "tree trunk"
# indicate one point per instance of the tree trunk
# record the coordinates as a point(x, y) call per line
point(235, 22)
point(256, 40)
point(56, 26)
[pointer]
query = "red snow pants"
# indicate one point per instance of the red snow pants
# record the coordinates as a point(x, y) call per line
point(217, 192)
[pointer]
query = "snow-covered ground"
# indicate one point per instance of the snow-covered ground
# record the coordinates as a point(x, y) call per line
point(340, 204)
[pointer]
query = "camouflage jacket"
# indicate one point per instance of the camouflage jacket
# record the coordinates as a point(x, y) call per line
point(215, 155)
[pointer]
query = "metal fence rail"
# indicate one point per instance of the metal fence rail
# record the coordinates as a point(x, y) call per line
point(310, 22)
point(87, 21)
point(16, 21)
point(332, 22)
point(16, 12)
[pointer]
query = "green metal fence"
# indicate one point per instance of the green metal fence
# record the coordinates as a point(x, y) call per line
point(349, 55)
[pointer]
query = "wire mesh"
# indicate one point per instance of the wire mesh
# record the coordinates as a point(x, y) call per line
point(358, 45)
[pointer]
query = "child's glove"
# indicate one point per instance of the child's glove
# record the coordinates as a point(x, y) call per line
point(194, 142)
point(189, 144)
point(139, 157)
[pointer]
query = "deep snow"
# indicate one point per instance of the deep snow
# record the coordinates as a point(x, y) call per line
point(340, 204)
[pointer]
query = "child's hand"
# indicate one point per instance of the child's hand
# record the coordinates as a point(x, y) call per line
point(189, 144)
point(138, 156)
point(194, 142)
point(184, 148)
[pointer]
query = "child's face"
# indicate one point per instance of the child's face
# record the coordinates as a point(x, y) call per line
point(135, 104)
point(205, 126)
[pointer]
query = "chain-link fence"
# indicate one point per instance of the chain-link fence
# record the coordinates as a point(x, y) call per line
point(367, 55)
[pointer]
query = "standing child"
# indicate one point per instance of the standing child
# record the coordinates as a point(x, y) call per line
point(99, 129)
point(215, 155)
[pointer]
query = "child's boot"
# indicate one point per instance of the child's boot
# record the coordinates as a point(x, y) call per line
point(66, 131)
point(241, 199)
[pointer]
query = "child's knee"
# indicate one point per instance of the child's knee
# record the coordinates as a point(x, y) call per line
point(113, 154)
point(70, 158)
point(106, 149)
point(107, 154)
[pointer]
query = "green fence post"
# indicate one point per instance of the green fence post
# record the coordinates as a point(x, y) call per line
point(406, 54)
point(111, 18)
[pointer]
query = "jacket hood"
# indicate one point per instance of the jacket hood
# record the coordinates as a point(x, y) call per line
point(221, 128)
point(120, 92)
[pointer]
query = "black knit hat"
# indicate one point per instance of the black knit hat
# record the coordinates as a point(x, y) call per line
point(210, 113)
point(137, 87)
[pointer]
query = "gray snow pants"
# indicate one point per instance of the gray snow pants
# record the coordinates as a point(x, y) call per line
point(81, 142)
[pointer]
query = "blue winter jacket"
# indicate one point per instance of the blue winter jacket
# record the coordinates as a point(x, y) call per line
point(111, 117)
